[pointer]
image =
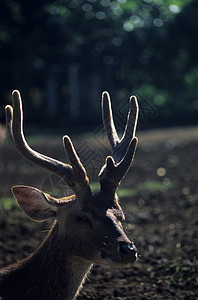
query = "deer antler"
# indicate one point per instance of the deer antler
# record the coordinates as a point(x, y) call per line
point(74, 175)
point(123, 150)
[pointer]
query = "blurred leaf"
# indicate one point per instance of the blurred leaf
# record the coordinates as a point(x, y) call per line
point(153, 185)
point(7, 203)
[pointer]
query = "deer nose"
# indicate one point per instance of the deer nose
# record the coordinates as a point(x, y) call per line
point(127, 252)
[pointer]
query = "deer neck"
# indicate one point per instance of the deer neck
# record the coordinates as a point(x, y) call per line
point(51, 272)
point(66, 272)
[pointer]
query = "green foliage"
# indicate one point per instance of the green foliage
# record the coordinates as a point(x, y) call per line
point(7, 203)
point(154, 185)
point(145, 46)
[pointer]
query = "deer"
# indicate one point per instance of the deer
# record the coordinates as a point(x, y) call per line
point(88, 226)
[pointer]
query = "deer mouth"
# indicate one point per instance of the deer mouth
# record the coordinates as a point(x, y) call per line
point(109, 258)
point(126, 255)
point(112, 260)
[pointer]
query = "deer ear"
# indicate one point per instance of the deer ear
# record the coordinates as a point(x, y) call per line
point(36, 204)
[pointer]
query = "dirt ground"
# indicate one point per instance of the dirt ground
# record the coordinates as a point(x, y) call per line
point(160, 200)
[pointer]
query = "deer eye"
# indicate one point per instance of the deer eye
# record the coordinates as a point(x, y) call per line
point(84, 221)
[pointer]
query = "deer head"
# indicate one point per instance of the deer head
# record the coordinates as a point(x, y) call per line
point(88, 225)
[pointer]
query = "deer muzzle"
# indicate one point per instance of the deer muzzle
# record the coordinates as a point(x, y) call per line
point(126, 253)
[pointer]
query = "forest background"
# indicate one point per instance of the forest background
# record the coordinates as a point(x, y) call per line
point(62, 54)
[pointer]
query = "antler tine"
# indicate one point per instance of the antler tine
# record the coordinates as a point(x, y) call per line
point(15, 128)
point(119, 146)
point(123, 149)
point(131, 124)
point(108, 120)
point(80, 175)
point(111, 174)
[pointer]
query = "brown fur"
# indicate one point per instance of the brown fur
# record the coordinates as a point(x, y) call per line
point(58, 268)
point(88, 228)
